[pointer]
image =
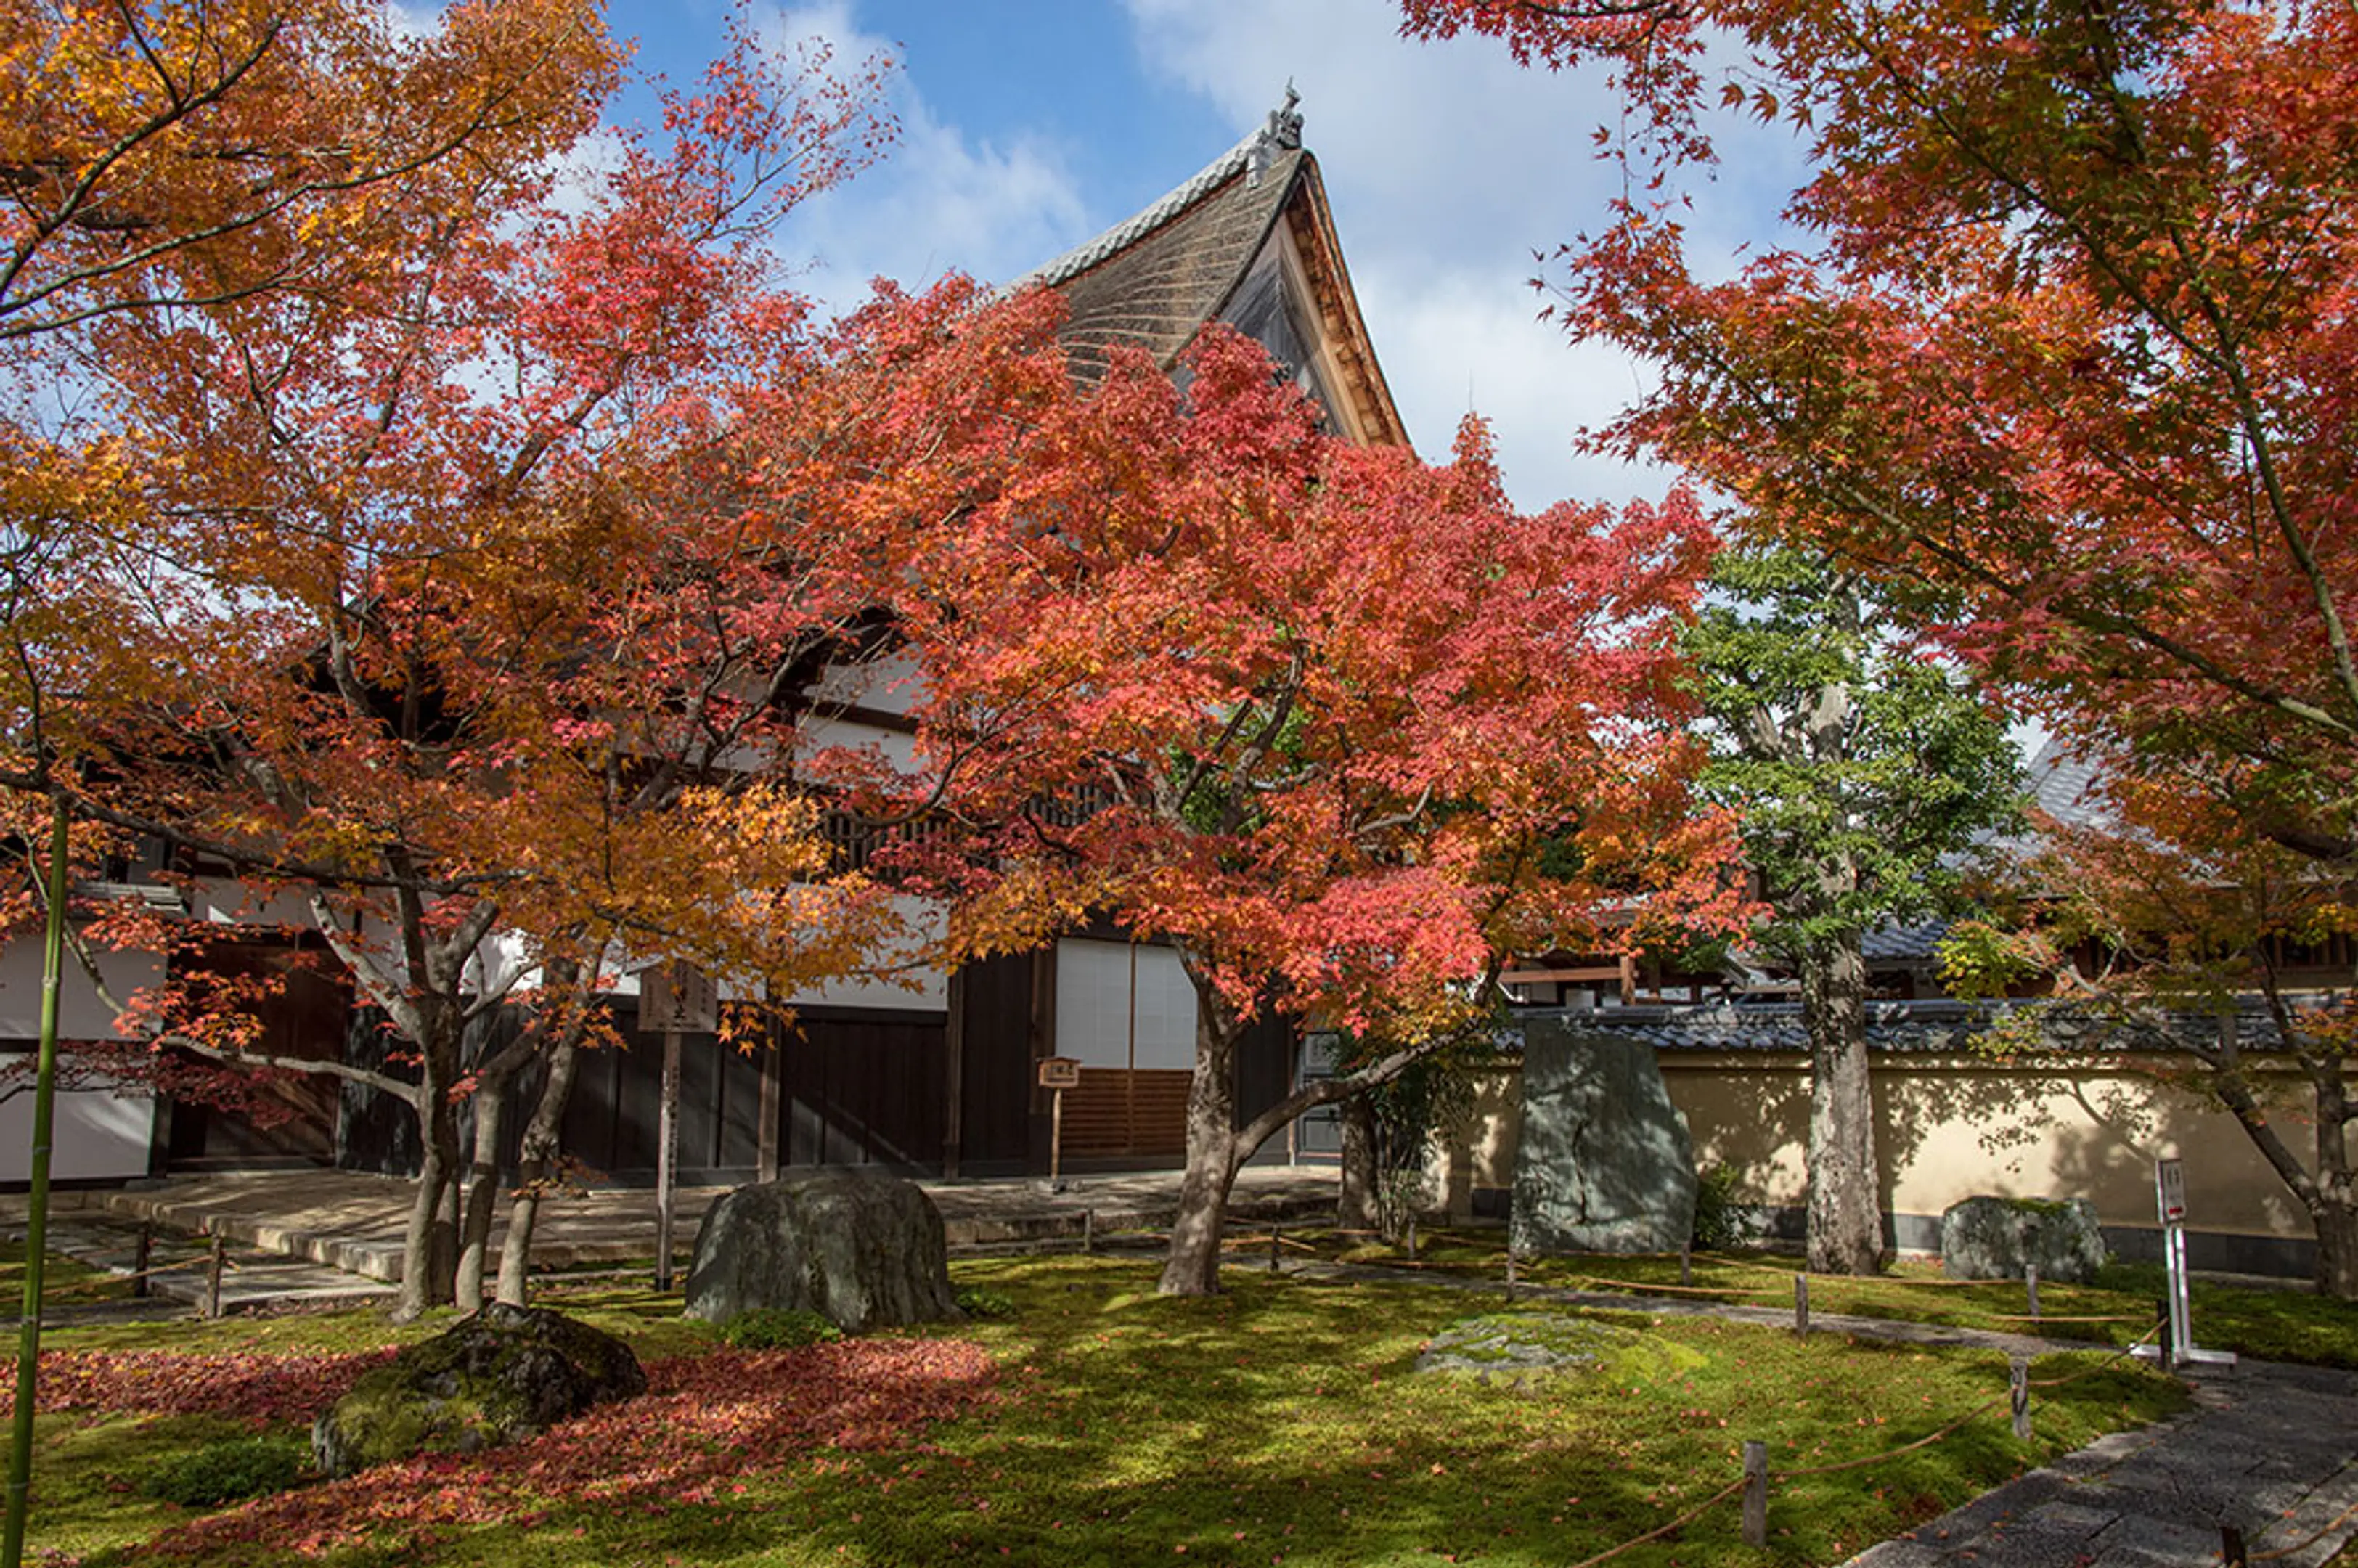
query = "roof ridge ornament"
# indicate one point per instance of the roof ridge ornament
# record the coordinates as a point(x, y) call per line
point(1283, 130)
point(1285, 121)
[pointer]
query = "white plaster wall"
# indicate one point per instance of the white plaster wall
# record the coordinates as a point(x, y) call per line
point(919, 987)
point(224, 901)
point(889, 684)
point(831, 734)
point(80, 1014)
point(97, 1136)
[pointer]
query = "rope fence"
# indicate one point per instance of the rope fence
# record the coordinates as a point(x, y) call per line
point(1753, 1484)
point(1754, 1481)
point(215, 1261)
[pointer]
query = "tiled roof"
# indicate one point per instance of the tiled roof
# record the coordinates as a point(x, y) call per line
point(1897, 944)
point(1152, 281)
point(2067, 788)
point(1893, 1026)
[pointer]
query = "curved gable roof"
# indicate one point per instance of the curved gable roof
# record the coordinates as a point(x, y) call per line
point(1153, 281)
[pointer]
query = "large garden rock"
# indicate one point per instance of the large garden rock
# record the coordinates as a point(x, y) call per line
point(864, 1251)
point(1995, 1239)
point(1605, 1164)
point(504, 1374)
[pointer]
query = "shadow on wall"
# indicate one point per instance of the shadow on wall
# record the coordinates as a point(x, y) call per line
point(1946, 1130)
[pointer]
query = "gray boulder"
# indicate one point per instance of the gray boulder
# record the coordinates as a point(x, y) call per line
point(864, 1251)
point(504, 1374)
point(1995, 1239)
point(1605, 1164)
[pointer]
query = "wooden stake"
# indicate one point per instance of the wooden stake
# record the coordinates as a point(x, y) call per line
point(1686, 1267)
point(1089, 1230)
point(213, 1262)
point(1510, 1271)
point(1800, 1303)
point(2030, 1288)
point(2017, 1376)
point(142, 1256)
point(1412, 1239)
point(1756, 1494)
point(1276, 1239)
point(2230, 1548)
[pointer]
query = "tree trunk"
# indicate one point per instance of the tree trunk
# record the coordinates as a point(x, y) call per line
point(429, 1249)
point(1357, 1201)
point(482, 1192)
point(1845, 1219)
point(536, 1162)
point(1193, 1266)
point(2337, 1248)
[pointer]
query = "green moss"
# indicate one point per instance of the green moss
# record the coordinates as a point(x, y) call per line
point(779, 1328)
point(384, 1418)
point(979, 1301)
point(2048, 1209)
point(228, 1472)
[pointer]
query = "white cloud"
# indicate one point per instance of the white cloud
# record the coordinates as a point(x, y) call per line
point(938, 203)
point(1472, 344)
point(411, 22)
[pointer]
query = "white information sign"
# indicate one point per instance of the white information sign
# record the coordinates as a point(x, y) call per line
point(2170, 1190)
point(2170, 1197)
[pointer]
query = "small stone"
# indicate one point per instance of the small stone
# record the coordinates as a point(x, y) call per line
point(1519, 1349)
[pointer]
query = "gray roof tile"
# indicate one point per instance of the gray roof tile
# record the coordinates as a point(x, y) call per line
point(1939, 1026)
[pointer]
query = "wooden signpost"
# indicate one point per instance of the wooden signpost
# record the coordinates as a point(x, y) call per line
point(675, 996)
point(1057, 1074)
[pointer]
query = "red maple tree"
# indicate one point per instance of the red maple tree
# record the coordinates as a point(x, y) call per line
point(1340, 726)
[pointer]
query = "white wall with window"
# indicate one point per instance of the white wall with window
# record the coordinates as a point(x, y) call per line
point(1108, 993)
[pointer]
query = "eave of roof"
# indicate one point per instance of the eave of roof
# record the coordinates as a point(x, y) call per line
point(1154, 280)
point(1939, 1026)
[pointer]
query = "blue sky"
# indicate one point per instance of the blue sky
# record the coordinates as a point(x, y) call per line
point(1029, 125)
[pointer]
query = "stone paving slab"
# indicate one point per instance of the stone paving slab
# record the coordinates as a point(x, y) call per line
point(352, 1222)
point(2267, 1449)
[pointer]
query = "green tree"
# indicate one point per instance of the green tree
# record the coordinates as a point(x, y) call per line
point(1863, 773)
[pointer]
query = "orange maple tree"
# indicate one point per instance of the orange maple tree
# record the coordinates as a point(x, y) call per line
point(1340, 726)
point(444, 613)
point(2059, 347)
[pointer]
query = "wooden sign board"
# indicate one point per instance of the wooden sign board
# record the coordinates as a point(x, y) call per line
point(677, 995)
point(1060, 1071)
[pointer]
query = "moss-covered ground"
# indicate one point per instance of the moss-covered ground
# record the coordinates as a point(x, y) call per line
point(2118, 1308)
point(1099, 1423)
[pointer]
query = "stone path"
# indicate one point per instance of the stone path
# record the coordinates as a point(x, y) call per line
point(321, 1237)
point(2267, 1449)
